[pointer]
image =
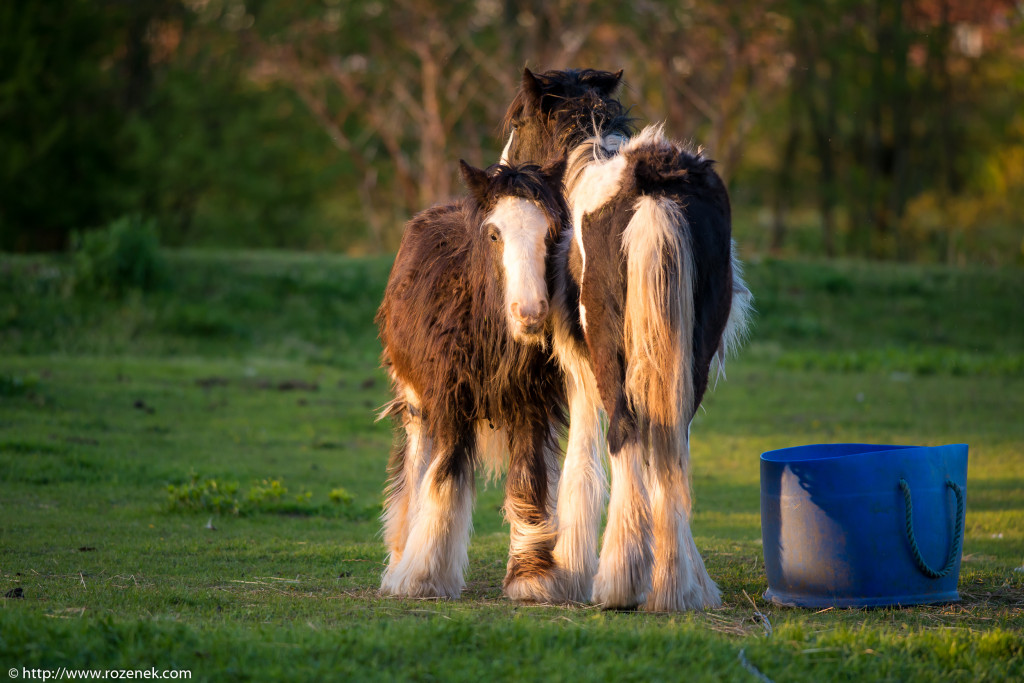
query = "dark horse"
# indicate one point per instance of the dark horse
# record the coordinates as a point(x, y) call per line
point(464, 324)
point(649, 299)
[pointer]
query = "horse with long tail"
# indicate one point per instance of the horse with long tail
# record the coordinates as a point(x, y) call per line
point(648, 302)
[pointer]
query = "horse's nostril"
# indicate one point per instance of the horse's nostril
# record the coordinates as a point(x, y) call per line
point(529, 315)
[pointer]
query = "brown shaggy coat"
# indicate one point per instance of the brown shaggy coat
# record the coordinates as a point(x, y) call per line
point(446, 338)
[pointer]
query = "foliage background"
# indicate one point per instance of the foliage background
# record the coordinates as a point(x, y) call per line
point(870, 128)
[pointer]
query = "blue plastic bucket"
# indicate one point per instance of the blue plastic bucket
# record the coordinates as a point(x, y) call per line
point(836, 530)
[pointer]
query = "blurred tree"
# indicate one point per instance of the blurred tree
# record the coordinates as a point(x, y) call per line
point(325, 123)
point(58, 110)
point(397, 88)
point(708, 68)
point(219, 157)
point(888, 94)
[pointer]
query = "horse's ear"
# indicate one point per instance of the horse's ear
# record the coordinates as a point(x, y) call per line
point(554, 171)
point(531, 87)
point(607, 83)
point(475, 179)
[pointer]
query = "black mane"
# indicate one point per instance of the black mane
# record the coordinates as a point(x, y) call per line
point(574, 105)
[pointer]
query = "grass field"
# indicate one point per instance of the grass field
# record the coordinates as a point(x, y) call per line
point(191, 479)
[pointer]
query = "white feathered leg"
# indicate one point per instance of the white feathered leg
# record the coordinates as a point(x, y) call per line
point(624, 573)
point(679, 580)
point(582, 489)
point(435, 557)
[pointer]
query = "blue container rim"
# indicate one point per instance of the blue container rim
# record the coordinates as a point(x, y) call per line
point(812, 601)
point(831, 451)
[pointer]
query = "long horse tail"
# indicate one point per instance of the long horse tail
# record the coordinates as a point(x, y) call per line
point(658, 316)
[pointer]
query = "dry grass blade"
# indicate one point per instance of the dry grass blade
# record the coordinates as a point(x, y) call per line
point(760, 615)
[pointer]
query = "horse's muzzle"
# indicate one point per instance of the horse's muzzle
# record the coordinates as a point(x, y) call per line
point(530, 316)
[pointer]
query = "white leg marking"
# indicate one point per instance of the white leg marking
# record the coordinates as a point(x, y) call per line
point(624, 573)
point(436, 553)
point(679, 579)
point(583, 488)
point(400, 501)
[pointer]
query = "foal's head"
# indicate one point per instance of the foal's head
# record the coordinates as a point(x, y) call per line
point(520, 212)
point(557, 110)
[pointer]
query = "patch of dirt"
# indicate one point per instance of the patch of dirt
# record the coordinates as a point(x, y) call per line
point(297, 385)
point(207, 382)
point(288, 385)
point(143, 406)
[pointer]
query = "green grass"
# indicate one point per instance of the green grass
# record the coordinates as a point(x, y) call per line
point(254, 368)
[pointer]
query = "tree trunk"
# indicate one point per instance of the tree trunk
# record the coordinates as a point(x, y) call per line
point(784, 184)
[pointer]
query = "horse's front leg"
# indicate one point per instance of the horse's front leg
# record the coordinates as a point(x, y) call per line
point(434, 560)
point(408, 464)
point(532, 573)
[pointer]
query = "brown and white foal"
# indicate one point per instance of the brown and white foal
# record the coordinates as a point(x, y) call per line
point(464, 325)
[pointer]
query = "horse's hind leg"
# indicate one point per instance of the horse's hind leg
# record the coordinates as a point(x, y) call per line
point(533, 467)
point(434, 560)
point(581, 491)
point(624, 573)
point(679, 579)
point(408, 463)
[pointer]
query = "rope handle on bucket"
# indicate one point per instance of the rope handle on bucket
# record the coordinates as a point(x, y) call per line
point(958, 531)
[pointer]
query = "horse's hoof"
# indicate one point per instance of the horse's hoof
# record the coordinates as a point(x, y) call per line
point(536, 588)
point(700, 597)
point(617, 595)
point(577, 589)
point(404, 585)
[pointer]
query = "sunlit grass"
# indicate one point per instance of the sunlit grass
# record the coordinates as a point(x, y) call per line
point(101, 411)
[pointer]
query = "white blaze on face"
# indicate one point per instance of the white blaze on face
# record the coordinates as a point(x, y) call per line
point(523, 227)
point(508, 146)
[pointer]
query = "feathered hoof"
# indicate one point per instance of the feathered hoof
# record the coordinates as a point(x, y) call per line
point(613, 590)
point(577, 587)
point(577, 564)
point(405, 584)
point(706, 597)
point(543, 588)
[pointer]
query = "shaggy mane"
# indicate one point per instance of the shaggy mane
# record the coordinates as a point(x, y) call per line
point(573, 106)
